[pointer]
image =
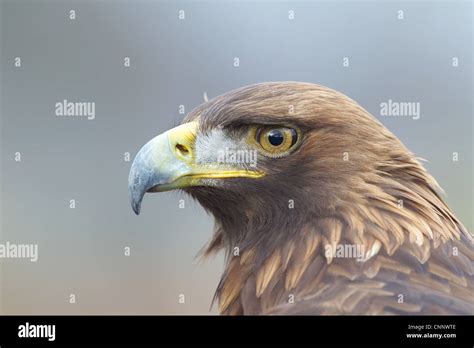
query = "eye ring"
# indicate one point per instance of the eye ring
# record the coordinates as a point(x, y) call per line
point(276, 141)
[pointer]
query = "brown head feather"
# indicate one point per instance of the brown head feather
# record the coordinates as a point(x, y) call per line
point(381, 198)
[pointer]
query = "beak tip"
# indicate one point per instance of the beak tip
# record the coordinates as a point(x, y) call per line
point(136, 210)
point(136, 197)
point(136, 203)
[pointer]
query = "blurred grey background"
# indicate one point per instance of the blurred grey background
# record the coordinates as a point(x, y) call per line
point(173, 62)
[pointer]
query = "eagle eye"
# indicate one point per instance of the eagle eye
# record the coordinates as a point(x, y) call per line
point(276, 140)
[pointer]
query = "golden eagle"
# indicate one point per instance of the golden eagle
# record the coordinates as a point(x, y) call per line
point(329, 212)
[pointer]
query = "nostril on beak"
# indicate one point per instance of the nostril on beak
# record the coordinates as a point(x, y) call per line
point(182, 149)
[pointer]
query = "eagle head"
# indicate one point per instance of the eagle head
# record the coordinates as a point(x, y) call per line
point(290, 171)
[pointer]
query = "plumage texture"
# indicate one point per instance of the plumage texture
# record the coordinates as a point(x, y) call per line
point(352, 183)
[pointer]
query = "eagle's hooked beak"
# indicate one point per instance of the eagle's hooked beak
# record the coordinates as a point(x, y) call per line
point(168, 162)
